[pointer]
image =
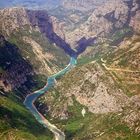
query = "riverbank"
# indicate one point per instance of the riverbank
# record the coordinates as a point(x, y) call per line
point(31, 98)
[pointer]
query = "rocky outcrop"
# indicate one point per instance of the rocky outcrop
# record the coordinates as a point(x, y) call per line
point(12, 19)
point(95, 89)
point(135, 20)
point(91, 87)
point(46, 26)
point(104, 20)
point(126, 56)
point(42, 56)
point(15, 71)
point(132, 116)
point(18, 23)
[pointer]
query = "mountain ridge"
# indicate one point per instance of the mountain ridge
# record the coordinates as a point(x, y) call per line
point(99, 98)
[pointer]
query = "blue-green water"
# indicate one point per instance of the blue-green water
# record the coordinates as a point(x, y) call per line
point(31, 98)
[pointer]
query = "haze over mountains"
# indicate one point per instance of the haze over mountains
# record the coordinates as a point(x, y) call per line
point(99, 98)
point(50, 4)
point(34, 4)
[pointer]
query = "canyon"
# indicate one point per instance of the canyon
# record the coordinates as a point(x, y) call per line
point(97, 99)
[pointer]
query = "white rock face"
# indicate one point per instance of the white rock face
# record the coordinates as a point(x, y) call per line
point(41, 56)
point(103, 102)
point(95, 90)
point(83, 112)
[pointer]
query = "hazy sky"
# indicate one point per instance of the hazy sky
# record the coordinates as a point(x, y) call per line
point(29, 3)
point(35, 4)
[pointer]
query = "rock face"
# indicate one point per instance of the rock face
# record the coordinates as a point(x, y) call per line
point(19, 20)
point(46, 26)
point(40, 55)
point(131, 50)
point(93, 89)
point(104, 20)
point(135, 20)
point(28, 31)
point(15, 71)
point(11, 19)
point(103, 90)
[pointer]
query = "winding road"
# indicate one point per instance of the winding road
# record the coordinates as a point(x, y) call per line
point(31, 98)
point(117, 69)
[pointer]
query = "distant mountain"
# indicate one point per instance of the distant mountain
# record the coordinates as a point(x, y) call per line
point(33, 4)
point(100, 97)
point(82, 5)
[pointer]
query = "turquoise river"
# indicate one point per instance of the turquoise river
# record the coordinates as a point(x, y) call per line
point(31, 98)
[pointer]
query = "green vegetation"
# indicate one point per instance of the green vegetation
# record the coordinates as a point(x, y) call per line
point(108, 126)
point(15, 121)
point(60, 58)
point(119, 35)
point(1, 70)
point(85, 60)
point(18, 123)
point(126, 58)
point(93, 126)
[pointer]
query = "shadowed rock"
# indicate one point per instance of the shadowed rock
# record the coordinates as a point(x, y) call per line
point(43, 21)
point(16, 72)
point(83, 43)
